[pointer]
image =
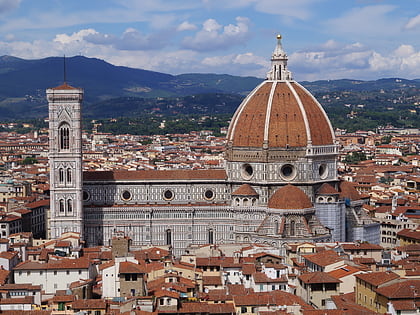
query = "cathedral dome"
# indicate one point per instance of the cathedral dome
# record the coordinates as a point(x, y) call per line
point(279, 113)
point(289, 197)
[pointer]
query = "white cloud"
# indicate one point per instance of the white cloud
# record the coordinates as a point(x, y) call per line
point(214, 36)
point(354, 61)
point(186, 26)
point(77, 36)
point(413, 22)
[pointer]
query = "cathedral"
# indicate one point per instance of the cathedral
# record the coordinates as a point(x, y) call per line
point(279, 184)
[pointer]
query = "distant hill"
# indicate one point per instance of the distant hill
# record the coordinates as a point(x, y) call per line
point(114, 90)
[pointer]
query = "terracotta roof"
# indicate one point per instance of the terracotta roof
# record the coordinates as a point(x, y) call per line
point(80, 263)
point(130, 267)
point(323, 258)
point(245, 190)
point(347, 190)
point(288, 107)
point(327, 189)
point(346, 302)
point(344, 271)
point(404, 289)
point(289, 197)
point(377, 278)
point(155, 175)
point(318, 277)
point(407, 233)
point(275, 297)
point(212, 280)
point(361, 246)
point(88, 304)
point(205, 308)
point(64, 86)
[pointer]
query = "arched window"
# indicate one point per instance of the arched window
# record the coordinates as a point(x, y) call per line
point(276, 227)
point(168, 237)
point(69, 175)
point(211, 236)
point(61, 175)
point(69, 205)
point(292, 228)
point(64, 137)
point(61, 205)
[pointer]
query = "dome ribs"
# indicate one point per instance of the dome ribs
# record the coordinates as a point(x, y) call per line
point(286, 122)
point(249, 131)
point(318, 123)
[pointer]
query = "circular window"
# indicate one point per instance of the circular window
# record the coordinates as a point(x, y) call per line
point(247, 171)
point(168, 195)
point(209, 194)
point(126, 195)
point(288, 172)
point(323, 171)
point(86, 195)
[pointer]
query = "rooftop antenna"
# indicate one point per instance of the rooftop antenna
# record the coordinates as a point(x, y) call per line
point(64, 63)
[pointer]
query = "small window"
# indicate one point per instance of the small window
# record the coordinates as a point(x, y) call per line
point(126, 195)
point(168, 195)
point(209, 194)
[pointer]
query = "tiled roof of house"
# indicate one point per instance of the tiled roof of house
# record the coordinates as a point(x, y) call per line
point(88, 304)
point(271, 298)
point(80, 263)
point(377, 278)
point(206, 308)
point(408, 233)
point(403, 289)
point(324, 258)
point(212, 280)
point(344, 271)
point(361, 246)
point(131, 267)
point(318, 277)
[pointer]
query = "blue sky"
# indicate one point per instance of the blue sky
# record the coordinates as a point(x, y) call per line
point(324, 39)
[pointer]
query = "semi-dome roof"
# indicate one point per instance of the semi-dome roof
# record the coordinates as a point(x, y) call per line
point(280, 113)
point(289, 197)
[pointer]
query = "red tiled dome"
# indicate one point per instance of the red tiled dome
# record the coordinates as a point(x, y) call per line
point(289, 197)
point(245, 190)
point(280, 114)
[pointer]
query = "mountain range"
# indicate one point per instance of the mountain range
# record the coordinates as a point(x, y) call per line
point(23, 84)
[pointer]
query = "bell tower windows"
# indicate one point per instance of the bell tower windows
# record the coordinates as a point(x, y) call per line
point(64, 136)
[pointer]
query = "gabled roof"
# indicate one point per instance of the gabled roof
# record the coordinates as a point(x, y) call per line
point(404, 289)
point(377, 278)
point(323, 258)
point(130, 267)
point(318, 277)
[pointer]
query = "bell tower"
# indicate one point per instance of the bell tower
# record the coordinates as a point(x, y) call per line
point(65, 160)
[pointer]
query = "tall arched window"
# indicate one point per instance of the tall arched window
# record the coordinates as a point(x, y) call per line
point(61, 205)
point(292, 228)
point(276, 227)
point(69, 175)
point(69, 206)
point(211, 236)
point(168, 237)
point(64, 137)
point(61, 175)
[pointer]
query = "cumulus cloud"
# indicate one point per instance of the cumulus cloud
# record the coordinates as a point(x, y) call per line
point(413, 22)
point(354, 61)
point(8, 5)
point(214, 36)
point(131, 39)
point(76, 36)
point(246, 64)
point(186, 26)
